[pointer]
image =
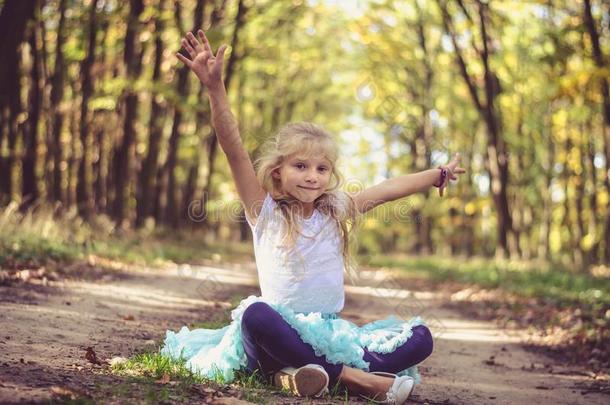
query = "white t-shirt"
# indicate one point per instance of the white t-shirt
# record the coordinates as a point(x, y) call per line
point(307, 278)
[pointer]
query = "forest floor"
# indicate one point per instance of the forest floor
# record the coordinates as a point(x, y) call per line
point(59, 332)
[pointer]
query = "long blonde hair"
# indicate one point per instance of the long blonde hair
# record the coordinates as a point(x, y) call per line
point(307, 138)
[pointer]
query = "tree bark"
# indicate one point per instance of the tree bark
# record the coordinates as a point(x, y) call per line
point(212, 141)
point(29, 186)
point(600, 62)
point(145, 186)
point(83, 188)
point(13, 23)
point(172, 211)
point(589, 150)
point(423, 223)
point(57, 93)
point(102, 169)
point(496, 153)
point(125, 153)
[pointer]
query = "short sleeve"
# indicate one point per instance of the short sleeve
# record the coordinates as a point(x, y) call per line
point(266, 210)
point(344, 204)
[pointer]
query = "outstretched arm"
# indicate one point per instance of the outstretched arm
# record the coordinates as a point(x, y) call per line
point(402, 186)
point(208, 69)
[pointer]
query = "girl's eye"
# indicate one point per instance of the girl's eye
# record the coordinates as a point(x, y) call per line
point(299, 165)
point(323, 169)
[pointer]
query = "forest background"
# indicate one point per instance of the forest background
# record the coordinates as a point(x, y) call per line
point(106, 147)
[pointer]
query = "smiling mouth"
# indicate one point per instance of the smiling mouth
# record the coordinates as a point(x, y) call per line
point(307, 188)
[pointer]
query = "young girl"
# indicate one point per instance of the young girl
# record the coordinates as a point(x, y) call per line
point(292, 334)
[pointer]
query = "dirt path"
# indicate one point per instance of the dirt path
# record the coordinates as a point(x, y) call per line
point(45, 332)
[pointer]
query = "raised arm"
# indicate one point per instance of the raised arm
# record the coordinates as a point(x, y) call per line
point(208, 69)
point(402, 186)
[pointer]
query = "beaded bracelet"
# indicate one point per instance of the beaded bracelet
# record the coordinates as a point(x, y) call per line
point(443, 177)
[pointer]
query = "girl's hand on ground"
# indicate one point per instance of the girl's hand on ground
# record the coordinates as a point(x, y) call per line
point(203, 63)
point(452, 171)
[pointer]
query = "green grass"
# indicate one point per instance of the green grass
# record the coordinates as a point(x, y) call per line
point(146, 368)
point(522, 278)
point(155, 366)
point(40, 236)
point(168, 246)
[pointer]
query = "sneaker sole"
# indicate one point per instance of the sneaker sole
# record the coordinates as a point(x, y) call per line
point(306, 382)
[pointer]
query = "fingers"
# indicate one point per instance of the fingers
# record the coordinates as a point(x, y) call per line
point(204, 39)
point(184, 59)
point(194, 42)
point(186, 45)
point(219, 59)
point(221, 52)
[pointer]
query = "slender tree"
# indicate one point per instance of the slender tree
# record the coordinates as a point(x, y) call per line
point(57, 94)
point(150, 165)
point(601, 62)
point(212, 141)
point(83, 188)
point(496, 152)
point(13, 23)
point(29, 186)
point(125, 153)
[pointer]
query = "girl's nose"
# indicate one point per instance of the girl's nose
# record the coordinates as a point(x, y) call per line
point(312, 178)
point(310, 174)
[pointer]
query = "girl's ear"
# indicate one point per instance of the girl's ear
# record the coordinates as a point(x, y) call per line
point(275, 173)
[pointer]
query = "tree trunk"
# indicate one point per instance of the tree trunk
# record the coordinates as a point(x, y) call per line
point(13, 23)
point(496, 153)
point(172, 211)
point(83, 188)
point(598, 57)
point(29, 186)
point(589, 151)
point(102, 170)
point(188, 195)
point(145, 186)
point(580, 206)
point(423, 223)
point(212, 141)
point(568, 223)
point(544, 239)
point(57, 93)
point(125, 153)
point(72, 156)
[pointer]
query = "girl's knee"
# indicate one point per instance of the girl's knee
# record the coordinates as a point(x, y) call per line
point(254, 315)
point(424, 336)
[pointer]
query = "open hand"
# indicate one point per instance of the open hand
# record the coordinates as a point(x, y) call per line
point(203, 63)
point(452, 171)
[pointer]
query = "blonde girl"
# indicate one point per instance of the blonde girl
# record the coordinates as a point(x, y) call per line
point(301, 222)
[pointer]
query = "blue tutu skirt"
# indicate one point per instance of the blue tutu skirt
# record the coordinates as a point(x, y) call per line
point(218, 353)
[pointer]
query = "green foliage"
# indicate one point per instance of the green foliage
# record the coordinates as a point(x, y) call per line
point(39, 236)
point(541, 280)
point(156, 365)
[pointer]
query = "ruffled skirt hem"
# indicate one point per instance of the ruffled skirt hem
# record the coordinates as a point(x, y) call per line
point(214, 353)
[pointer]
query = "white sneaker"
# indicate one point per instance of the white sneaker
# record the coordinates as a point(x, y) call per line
point(309, 380)
point(399, 391)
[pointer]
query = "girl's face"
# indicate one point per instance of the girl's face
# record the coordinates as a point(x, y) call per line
point(304, 178)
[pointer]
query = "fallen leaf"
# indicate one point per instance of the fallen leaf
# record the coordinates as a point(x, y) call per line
point(64, 392)
point(92, 357)
point(116, 360)
point(164, 379)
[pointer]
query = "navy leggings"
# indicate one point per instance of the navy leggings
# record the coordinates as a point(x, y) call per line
point(271, 344)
